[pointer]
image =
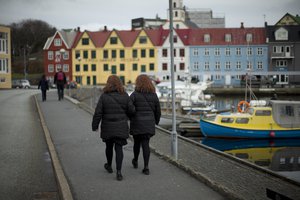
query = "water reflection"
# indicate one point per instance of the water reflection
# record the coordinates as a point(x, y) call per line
point(281, 155)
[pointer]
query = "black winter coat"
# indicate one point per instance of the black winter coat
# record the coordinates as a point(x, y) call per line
point(113, 110)
point(147, 113)
point(43, 84)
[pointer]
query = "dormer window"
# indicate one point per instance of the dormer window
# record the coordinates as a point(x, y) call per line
point(175, 39)
point(206, 38)
point(249, 37)
point(113, 40)
point(227, 37)
point(143, 39)
point(281, 34)
point(57, 42)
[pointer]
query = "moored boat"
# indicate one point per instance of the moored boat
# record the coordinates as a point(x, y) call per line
point(279, 119)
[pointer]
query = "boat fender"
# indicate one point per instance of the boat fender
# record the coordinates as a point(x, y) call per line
point(242, 104)
point(272, 134)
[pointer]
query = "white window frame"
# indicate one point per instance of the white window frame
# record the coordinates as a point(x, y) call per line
point(238, 51)
point(259, 51)
point(196, 66)
point(206, 38)
point(206, 51)
point(227, 65)
point(217, 51)
point(238, 65)
point(66, 67)
point(281, 63)
point(227, 51)
point(249, 51)
point(249, 37)
point(206, 66)
point(217, 77)
point(50, 55)
point(249, 65)
point(57, 42)
point(50, 68)
point(228, 37)
point(195, 52)
point(217, 65)
point(259, 65)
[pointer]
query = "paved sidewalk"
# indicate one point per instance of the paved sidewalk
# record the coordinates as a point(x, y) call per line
point(82, 155)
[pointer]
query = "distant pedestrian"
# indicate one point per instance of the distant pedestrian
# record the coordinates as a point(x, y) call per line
point(44, 86)
point(60, 81)
point(275, 97)
point(142, 124)
point(113, 111)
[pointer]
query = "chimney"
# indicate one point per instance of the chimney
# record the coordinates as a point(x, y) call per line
point(78, 29)
point(105, 28)
point(242, 24)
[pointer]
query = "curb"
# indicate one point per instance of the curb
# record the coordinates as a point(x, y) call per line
point(63, 186)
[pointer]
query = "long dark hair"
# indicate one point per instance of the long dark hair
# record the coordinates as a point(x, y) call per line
point(144, 84)
point(114, 84)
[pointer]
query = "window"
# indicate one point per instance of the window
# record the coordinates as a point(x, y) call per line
point(238, 65)
point(175, 39)
point(50, 68)
point(77, 55)
point(259, 51)
point(195, 52)
point(105, 67)
point(249, 65)
point(122, 67)
point(174, 52)
point(93, 67)
point(66, 68)
point(263, 113)
point(113, 53)
point(85, 54)
point(196, 65)
point(50, 55)
point(85, 41)
point(218, 77)
point(242, 120)
point(249, 51)
point(94, 80)
point(113, 40)
point(227, 51)
point(143, 40)
point(259, 65)
point(151, 66)
point(181, 52)
point(217, 66)
point(227, 37)
point(143, 53)
point(238, 51)
point(206, 38)
point(85, 68)
point(227, 65)
point(164, 66)
point(227, 120)
point(88, 80)
point(134, 67)
point(122, 54)
point(77, 68)
point(143, 68)
point(105, 54)
point(217, 51)
point(134, 53)
point(206, 65)
point(151, 53)
point(281, 63)
point(181, 66)
point(206, 51)
point(165, 52)
point(93, 54)
point(66, 55)
point(278, 49)
point(57, 42)
point(249, 37)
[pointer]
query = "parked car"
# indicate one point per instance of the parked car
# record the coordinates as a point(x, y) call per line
point(21, 83)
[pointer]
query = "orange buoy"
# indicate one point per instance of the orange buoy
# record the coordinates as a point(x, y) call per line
point(243, 104)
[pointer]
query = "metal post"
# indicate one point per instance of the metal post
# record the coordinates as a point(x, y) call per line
point(173, 133)
point(25, 68)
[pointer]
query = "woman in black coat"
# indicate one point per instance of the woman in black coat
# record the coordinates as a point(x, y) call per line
point(113, 111)
point(43, 84)
point(142, 124)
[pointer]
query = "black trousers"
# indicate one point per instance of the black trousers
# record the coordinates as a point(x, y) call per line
point(44, 95)
point(60, 91)
point(142, 140)
point(119, 153)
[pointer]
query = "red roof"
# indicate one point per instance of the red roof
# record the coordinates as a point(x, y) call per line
point(157, 36)
point(128, 37)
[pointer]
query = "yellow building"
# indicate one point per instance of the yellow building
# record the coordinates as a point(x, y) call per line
point(5, 57)
point(128, 53)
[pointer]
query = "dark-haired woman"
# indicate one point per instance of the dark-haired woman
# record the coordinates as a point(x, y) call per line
point(113, 111)
point(142, 124)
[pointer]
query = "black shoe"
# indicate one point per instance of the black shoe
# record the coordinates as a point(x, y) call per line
point(146, 171)
point(108, 168)
point(134, 163)
point(119, 176)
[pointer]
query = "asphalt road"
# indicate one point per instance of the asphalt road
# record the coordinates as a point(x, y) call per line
point(25, 166)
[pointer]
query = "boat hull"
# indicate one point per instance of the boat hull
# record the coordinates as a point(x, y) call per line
point(210, 129)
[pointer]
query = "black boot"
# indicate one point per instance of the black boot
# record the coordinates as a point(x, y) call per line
point(134, 163)
point(108, 168)
point(146, 171)
point(119, 175)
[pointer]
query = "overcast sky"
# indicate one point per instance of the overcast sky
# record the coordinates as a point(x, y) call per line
point(94, 14)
